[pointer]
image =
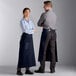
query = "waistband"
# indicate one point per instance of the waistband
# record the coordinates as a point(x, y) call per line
point(49, 29)
point(25, 33)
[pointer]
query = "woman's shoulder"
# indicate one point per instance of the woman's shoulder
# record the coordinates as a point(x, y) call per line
point(22, 20)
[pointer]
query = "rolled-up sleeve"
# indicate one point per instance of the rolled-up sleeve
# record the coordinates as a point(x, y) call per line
point(22, 24)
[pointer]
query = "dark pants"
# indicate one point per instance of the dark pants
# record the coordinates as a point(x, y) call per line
point(50, 39)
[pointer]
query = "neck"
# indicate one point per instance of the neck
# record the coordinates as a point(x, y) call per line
point(27, 18)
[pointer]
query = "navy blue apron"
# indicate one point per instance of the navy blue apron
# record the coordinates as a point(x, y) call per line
point(26, 51)
point(42, 45)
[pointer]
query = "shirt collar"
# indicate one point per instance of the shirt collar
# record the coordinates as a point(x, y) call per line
point(26, 20)
point(49, 10)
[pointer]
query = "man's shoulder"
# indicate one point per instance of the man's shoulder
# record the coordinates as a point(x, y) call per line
point(53, 13)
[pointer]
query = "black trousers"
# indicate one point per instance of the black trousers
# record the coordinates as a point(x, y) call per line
point(50, 39)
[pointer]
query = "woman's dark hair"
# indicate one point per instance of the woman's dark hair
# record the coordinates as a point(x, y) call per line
point(26, 9)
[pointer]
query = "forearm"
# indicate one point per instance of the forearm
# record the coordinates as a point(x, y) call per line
point(40, 24)
point(41, 20)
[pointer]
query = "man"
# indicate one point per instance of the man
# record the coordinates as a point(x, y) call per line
point(48, 47)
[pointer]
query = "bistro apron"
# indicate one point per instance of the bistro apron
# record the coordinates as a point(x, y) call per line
point(42, 46)
point(26, 51)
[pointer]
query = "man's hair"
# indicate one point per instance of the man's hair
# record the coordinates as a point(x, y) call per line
point(48, 3)
point(26, 9)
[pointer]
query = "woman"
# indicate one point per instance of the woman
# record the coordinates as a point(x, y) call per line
point(26, 51)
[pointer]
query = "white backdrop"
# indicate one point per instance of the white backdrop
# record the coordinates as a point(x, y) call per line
point(10, 31)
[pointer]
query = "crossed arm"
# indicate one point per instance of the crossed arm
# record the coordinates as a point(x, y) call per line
point(41, 20)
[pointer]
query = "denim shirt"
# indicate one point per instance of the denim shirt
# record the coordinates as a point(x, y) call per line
point(27, 26)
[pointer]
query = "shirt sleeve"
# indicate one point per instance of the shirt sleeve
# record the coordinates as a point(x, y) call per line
point(22, 24)
point(41, 20)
